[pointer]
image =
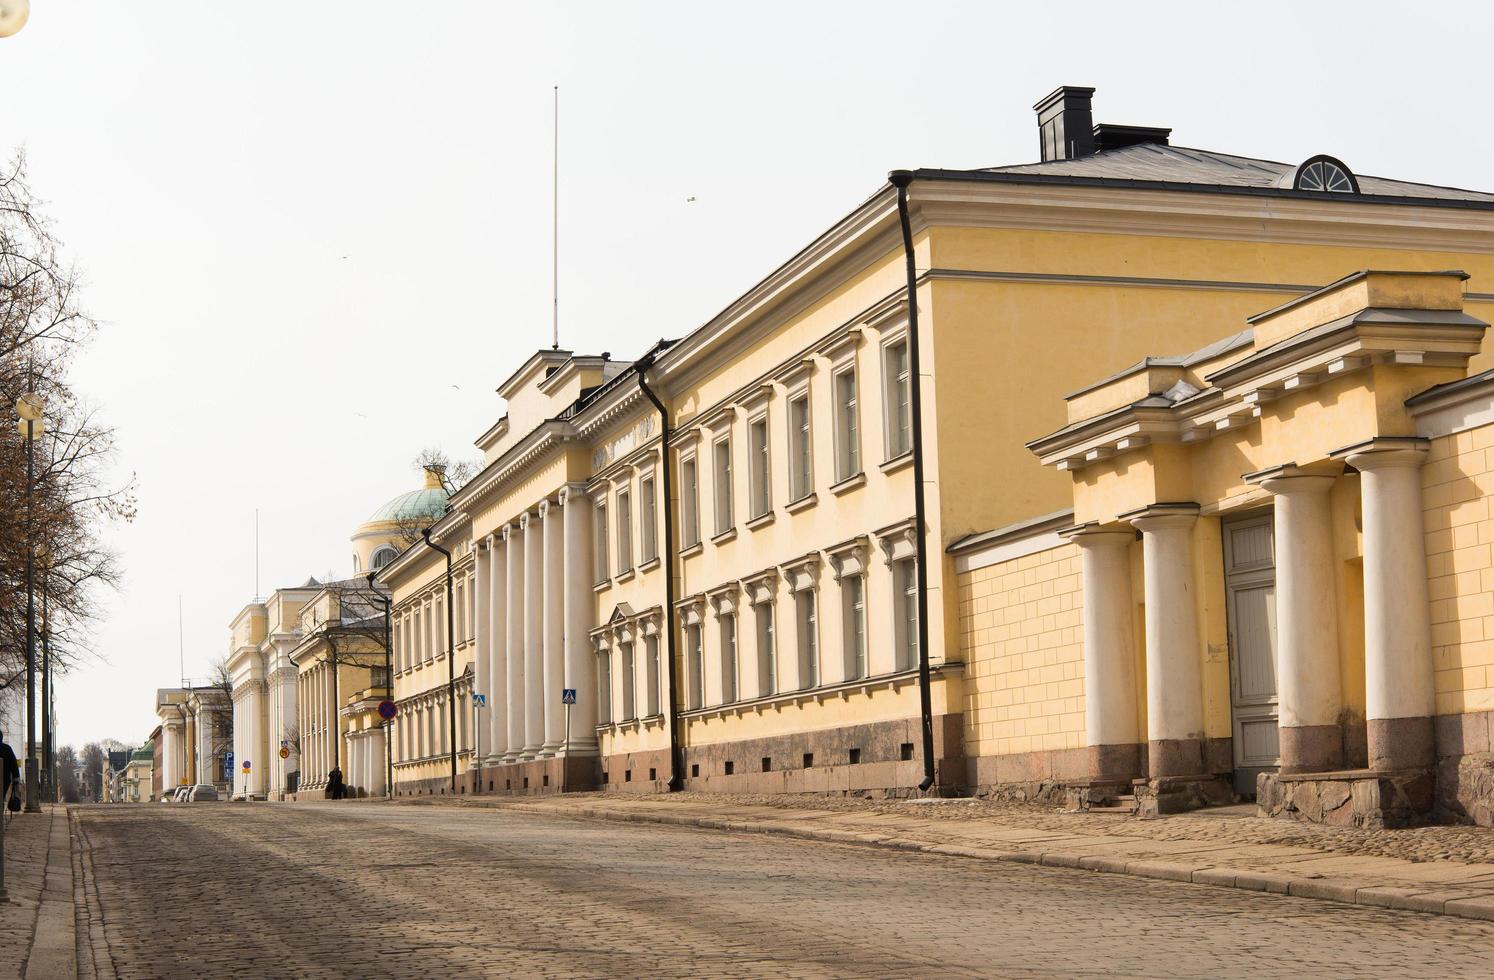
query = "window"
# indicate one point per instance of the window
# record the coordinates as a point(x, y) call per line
point(905, 582)
point(628, 680)
point(847, 436)
point(624, 531)
point(689, 503)
point(695, 665)
point(898, 398)
point(801, 469)
point(767, 658)
point(721, 460)
point(853, 595)
point(759, 473)
point(728, 659)
point(604, 686)
point(378, 677)
point(459, 605)
point(382, 557)
point(809, 640)
point(651, 680)
point(648, 532)
point(600, 531)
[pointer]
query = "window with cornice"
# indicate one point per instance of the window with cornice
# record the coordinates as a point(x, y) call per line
point(728, 659)
point(624, 502)
point(689, 502)
point(801, 465)
point(760, 473)
point(695, 666)
point(767, 654)
point(807, 623)
point(721, 479)
point(897, 398)
point(651, 679)
point(599, 533)
point(648, 519)
point(853, 598)
point(847, 426)
point(604, 686)
point(629, 675)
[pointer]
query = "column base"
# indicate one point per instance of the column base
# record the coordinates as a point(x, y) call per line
point(1176, 757)
point(1353, 798)
point(1114, 763)
point(1400, 743)
point(1312, 748)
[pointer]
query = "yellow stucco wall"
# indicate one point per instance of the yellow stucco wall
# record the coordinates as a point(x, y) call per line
point(1457, 481)
point(1022, 638)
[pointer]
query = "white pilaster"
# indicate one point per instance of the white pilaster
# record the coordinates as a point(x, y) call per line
point(554, 620)
point(482, 653)
point(1174, 689)
point(579, 606)
point(1399, 693)
point(534, 636)
point(514, 535)
point(1112, 730)
point(497, 718)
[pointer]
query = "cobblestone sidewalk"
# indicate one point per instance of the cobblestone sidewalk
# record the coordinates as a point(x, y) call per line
point(38, 918)
point(1444, 870)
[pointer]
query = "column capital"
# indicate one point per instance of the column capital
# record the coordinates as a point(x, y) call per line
point(569, 491)
point(527, 518)
point(1097, 535)
point(487, 542)
point(1291, 478)
point(1158, 517)
point(546, 506)
point(1384, 452)
point(509, 530)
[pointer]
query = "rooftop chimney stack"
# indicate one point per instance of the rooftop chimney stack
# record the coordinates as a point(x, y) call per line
point(1065, 123)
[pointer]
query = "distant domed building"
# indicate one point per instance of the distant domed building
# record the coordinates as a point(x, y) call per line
point(387, 531)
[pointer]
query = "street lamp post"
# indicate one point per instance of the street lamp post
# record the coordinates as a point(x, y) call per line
point(29, 408)
point(46, 680)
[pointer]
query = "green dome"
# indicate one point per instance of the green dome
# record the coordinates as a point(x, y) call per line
point(428, 503)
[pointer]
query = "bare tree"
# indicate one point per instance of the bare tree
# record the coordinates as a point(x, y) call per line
point(42, 328)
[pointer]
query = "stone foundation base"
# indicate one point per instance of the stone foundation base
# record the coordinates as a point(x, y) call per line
point(1178, 794)
point(537, 777)
point(1354, 798)
point(1081, 795)
point(1465, 789)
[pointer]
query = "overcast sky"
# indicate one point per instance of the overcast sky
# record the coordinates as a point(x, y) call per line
point(318, 234)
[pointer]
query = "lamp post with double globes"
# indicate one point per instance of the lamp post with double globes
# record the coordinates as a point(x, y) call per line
point(29, 408)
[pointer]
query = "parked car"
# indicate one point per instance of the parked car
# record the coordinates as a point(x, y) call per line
point(202, 791)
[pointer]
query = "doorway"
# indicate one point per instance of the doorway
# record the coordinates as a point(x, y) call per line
point(1250, 606)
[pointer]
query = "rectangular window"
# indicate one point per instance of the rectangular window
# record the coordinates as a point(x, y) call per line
point(905, 581)
point(767, 655)
point(604, 687)
point(898, 398)
point(379, 677)
point(648, 532)
point(728, 659)
point(460, 606)
point(809, 639)
point(853, 595)
point(689, 503)
point(600, 531)
point(628, 680)
point(695, 664)
point(651, 680)
point(721, 461)
point(801, 468)
point(847, 434)
point(624, 531)
point(761, 487)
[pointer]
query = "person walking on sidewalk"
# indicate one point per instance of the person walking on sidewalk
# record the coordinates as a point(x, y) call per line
point(12, 772)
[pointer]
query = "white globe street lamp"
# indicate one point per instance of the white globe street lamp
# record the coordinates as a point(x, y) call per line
point(13, 15)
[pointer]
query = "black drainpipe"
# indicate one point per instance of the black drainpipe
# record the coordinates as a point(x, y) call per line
point(901, 179)
point(676, 757)
point(450, 657)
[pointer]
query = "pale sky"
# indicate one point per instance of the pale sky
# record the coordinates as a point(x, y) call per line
point(318, 234)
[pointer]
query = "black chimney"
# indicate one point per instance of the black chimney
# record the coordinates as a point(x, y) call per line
point(1065, 123)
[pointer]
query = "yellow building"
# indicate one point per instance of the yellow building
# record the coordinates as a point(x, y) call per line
point(766, 636)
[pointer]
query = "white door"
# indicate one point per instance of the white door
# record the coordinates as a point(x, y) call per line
point(1250, 602)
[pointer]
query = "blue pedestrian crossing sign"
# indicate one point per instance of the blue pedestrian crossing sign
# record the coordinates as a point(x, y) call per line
point(568, 695)
point(481, 700)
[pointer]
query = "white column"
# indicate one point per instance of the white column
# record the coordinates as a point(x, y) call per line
point(514, 535)
point(534, 636)
point(1174, 671)
point(498, 650)
point(579, 609)
point(1399, 692)
point(1309, 693)
point(1111, 726)
point(554, 616)
point(168, 757)
point(254, 750)
point(482, 654)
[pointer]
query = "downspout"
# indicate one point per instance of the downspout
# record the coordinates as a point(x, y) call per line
point(389, 681)
point(676, 757)
point(334, 723)
point(901, 179)
point(450, 658)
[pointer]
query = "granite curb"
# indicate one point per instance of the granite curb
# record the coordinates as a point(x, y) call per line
point(1445, 898)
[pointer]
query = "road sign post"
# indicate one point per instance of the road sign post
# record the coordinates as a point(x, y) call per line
point(567, 698)
point(478, 701)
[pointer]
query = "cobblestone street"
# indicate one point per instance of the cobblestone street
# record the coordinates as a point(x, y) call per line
point(352, 890)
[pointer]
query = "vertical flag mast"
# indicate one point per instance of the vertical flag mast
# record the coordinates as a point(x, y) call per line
point(555, 229)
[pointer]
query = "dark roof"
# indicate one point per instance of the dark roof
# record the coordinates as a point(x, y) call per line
point(1154, 164)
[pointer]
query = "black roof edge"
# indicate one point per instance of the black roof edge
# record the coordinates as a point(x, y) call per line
point(955, 176)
